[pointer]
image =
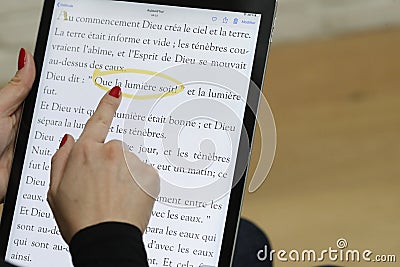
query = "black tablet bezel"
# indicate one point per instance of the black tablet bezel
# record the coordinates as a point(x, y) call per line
point(265, 7)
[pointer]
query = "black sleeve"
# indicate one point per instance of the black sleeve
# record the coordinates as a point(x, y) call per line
point(108, 244)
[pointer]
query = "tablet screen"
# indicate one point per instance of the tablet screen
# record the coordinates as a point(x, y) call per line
point(184, 73)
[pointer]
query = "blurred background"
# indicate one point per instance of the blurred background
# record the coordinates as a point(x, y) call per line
point(333, 83)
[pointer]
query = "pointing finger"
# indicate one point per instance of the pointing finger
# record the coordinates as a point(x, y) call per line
point(99, 124)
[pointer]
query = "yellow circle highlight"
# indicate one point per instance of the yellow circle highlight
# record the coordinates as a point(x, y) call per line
point(98, 73)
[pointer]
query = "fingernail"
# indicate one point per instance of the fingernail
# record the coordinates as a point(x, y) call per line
point(115, 92)
point(21, 58)
point(63, 141)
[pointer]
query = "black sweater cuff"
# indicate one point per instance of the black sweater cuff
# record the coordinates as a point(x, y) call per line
point(108, 244)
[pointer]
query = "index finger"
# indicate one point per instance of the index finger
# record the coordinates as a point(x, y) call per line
point(98, 125)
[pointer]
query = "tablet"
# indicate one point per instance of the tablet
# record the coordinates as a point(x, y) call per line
point(185, 69)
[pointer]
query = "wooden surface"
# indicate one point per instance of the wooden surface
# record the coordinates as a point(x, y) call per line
point(296, 20)
point(337, 172)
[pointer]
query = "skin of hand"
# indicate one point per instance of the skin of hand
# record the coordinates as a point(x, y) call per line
point(90, 180)
point(11, 99)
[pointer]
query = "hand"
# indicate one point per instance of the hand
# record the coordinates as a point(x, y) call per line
point(90, 180)
point(11, 98)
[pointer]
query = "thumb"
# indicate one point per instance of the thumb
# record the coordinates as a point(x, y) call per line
point(58, 162)
point(15, 92)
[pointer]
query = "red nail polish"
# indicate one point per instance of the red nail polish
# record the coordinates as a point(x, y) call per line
point(115, 92)
point(63, 141)
point(21, 58)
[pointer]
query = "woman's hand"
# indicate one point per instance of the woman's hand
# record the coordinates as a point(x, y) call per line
point(11, 98)
point(91, 182)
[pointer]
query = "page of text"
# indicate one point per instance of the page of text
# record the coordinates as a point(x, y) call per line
point(184, 74)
